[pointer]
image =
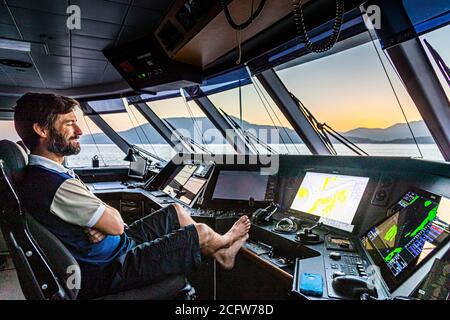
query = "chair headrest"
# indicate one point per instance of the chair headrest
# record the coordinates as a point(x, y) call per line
point(14, 156)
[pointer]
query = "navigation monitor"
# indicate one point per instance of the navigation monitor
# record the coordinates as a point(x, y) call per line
point(191, 189)
point(242, 185)
point(333, 198)
point(138, 168)
point(175, 186)
point(418, 227)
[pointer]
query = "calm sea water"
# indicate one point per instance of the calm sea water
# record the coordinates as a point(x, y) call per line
point(111, 155)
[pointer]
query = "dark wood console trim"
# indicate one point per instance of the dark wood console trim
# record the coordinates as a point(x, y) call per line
point(279, 273)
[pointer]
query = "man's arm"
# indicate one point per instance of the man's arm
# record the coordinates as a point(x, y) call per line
point(110, 222)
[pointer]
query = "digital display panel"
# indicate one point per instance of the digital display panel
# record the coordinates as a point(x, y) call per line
point(176, 185)
point(241, 185)
point(419, 225)
point(332, 197)
point(191, 189)
point(138, 168)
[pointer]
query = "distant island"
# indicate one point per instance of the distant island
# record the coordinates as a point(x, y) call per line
point(395, 134)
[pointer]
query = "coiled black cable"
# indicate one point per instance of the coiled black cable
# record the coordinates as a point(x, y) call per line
point(301, 28)
point(249, 20)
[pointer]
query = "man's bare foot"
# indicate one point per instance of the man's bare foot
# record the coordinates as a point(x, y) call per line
point(226, 257)
point(239, 229)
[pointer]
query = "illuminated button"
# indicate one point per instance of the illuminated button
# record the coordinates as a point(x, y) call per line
point(335, 255)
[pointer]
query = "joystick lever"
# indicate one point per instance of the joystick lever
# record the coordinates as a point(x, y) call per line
point(264, 216)
point(307, 235)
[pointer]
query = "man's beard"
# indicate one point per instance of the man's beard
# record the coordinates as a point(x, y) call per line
point(60, 145)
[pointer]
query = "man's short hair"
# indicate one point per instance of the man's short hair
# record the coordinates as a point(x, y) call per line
point(41, 108)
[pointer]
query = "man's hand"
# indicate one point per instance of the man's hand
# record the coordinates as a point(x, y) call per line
point(94, 235)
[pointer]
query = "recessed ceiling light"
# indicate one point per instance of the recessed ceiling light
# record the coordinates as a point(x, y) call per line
point(16, 63)
point(16, 45)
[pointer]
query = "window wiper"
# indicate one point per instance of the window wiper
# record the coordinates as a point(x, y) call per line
point(323, 130)
point(439, 62)
point(248, 135)
point(146, 154)
point(189, 141)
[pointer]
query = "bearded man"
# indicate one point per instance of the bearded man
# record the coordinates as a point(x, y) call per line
point(112, 258)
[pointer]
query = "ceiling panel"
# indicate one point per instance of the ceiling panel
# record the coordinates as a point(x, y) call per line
point(5, 17)
point(58, 37)
point(111, 74)
point(82, 75)
point(86, 42)
point(132, 33)
point(41, 21)
point(87, 63)
point(49, 69)
point(158, 5)
point(31, 84)
point(97, 29)
point(141, 17)
point(56, 50)
point(47, 61)
point(111, 12)
point(120, 1)
point(90, 69)
point(52, 6)
point(88, 54)
point(8, 31)
point(21, 72)
point(84, 83)
point(75, 57)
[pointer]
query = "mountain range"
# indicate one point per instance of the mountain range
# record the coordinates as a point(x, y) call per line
point(398, 133)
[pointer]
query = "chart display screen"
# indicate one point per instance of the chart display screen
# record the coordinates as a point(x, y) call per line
point(332, 197)
point(419, 225)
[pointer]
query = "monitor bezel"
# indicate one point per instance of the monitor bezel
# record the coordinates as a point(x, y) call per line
point(391, 281)
point(145, 168)
point(217, 203)
point(315, 218)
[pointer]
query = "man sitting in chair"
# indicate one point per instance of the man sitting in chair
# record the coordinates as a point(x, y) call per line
point(112, 257)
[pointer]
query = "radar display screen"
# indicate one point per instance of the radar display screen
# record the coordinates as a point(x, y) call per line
point(418, 226)
point(241, 185)
point(332, 197)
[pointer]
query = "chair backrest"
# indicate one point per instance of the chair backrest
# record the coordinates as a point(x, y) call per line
point(45, 267)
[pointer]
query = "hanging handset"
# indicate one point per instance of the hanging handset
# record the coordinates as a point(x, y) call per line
point(264, 216)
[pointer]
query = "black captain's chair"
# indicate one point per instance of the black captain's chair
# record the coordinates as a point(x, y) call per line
point(41, 260)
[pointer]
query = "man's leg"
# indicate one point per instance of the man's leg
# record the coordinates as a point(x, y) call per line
point(154, 225)
point(168, 219)
point(222, 247)
point(176, 253)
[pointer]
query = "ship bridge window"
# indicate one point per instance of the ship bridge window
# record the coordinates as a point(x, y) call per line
point(190, 122)
point(136, 130)
point(7, 131)
point(438, 51)
point(351, 92)
point(94, 143)
point(252, 109)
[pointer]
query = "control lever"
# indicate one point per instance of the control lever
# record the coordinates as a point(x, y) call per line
point(264, 216)
point(179, 192)
point(308, 236)
point(354, 287)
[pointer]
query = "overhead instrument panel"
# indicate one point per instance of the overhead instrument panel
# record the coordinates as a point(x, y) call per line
point(146, 67)
point(331, 197)
point(418, 227)
point(189, 31)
